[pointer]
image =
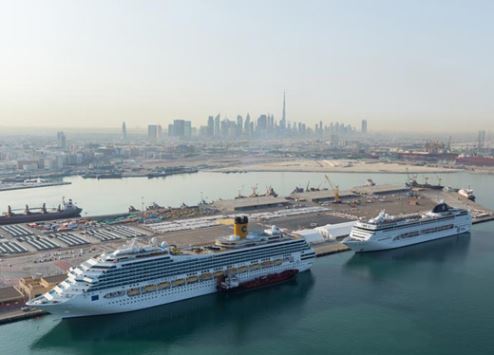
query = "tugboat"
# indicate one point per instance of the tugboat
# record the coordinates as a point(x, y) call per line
point(232, 283)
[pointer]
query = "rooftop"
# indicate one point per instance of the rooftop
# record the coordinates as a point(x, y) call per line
point(250, 203)
point(320, 195)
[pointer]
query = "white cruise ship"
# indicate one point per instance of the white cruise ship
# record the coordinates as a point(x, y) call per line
point(134, 278)
point(389, 232)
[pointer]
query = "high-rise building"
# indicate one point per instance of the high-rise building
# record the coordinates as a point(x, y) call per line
point(363, 128)
point(154, 132)
point(124, 131)
point(187, 129)
point(481, 143)
point(180, 128)
point(61, 141)
point(283, 114)
point(240, 126)
point(210, 129)
point(247, 122)
point(217, 125)
point(262, 123)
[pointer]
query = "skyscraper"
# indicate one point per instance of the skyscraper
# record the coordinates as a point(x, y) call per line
point(364, 127)
point(210, 129)
point(61, 141)
point(187, 129)
point(283, 114)
point(124, 131)
point(247, 128)
point(217, 125)
point(481, 140)
point(154, 132)
point(240, 126)
point(262, 124)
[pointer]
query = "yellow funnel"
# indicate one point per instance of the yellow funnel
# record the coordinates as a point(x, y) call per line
point(240, 226)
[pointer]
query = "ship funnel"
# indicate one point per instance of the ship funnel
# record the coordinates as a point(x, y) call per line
point(240, 226)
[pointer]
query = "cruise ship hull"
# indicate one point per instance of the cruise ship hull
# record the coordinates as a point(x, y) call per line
point(83, 306)
point(385, 240)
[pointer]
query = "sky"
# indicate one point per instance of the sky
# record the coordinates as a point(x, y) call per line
point(402, 65)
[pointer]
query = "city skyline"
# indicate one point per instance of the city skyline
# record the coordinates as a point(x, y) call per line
point(401, 66)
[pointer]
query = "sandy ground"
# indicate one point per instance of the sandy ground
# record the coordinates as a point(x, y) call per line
point(344, 166)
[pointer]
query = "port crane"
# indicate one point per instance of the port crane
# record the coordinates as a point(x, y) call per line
point(335, 188)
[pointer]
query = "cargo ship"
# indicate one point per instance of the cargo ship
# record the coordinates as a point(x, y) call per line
point(413, 183)
point(476, 160)
point(233, 283)
point(65, 210)
point(136, 277)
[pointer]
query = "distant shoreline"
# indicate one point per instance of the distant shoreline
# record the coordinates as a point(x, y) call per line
point(337, 166)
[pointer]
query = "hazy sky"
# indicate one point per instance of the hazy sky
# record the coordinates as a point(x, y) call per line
point(400, 64)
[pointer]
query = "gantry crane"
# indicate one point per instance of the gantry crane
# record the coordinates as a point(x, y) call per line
point(335, 188)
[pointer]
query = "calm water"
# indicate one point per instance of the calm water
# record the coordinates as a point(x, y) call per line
point(434, 298)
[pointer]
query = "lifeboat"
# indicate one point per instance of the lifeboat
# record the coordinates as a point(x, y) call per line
point(133, 292)
point(266, 264)
point(114, 294)
point(192, 279)
point(254, 267)
point(277, 262)
point(205, 276)
point(178, 282)
point(242, 269)
point(163, 285)
point(231, 270)
point(219, 274)
point(149, 288)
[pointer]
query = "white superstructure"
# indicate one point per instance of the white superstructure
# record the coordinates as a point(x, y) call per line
point(467, 193)
point(136, 277)
point(389, 232)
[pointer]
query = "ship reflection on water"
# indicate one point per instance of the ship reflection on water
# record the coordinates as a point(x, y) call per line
point(434, 250)
point(389, 264)
point(240, 315)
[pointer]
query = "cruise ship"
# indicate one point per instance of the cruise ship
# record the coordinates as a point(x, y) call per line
point(389, 232)
point(138, 277)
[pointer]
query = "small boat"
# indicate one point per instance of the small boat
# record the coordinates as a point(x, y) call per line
point(149, 288)
point(114, 294)
point(219, 274)
point(266, 264)
point(192, 279)
point(133, 292)
point(242, 269)
point(163, 285)
point(178, 282)
point(206, 276)
point(231, 283)
point(254, 267)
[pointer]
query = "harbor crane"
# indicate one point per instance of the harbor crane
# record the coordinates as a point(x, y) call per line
point(335, 188)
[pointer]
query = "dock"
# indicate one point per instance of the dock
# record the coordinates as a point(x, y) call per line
point(17, 315)
point(23, 186)
point(329, 248)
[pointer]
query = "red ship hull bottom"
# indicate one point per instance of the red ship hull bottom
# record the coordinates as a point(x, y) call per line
point(262, 281)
